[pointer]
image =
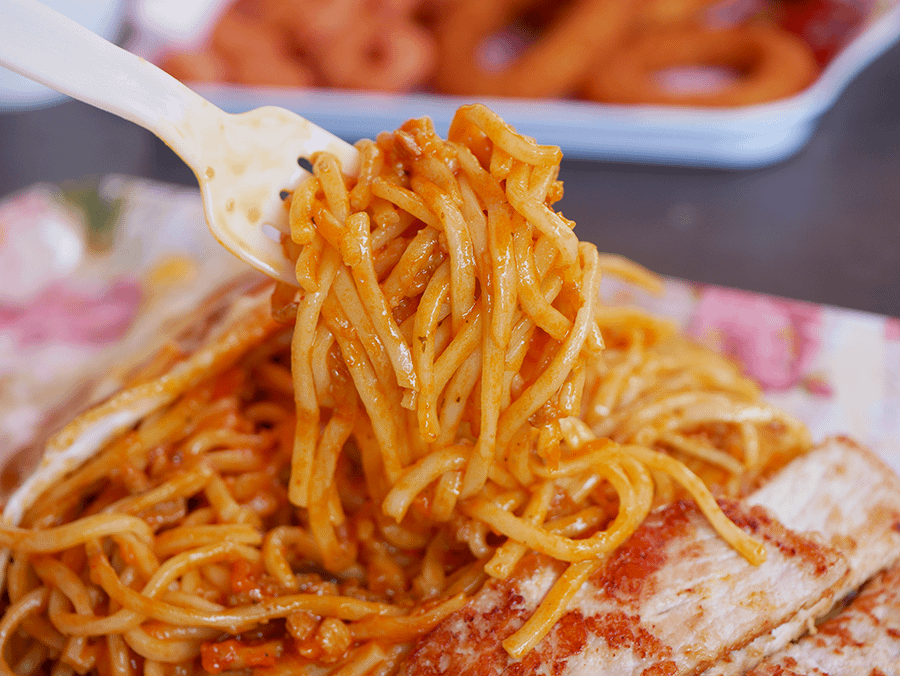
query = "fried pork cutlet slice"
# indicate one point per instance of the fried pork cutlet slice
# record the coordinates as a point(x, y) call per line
point(864, 638)
point(850, 498)
point(674, 599)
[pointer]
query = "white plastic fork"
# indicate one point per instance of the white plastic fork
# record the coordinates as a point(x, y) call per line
point(244, 163)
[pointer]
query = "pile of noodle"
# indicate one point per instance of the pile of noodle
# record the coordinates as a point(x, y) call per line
point(447, 394)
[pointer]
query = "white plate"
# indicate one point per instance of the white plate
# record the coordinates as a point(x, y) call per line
point(737, 138)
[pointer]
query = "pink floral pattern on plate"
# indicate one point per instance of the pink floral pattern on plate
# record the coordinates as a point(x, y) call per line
point(892, 329)
point(68, 315)
point(773, 338)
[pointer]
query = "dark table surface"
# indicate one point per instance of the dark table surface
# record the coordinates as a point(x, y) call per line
point(823, 226)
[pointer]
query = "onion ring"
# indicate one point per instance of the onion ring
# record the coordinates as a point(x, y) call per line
point(236, 36)
point(667, 12)
point(553, 66)
point(771, 64)
point(393, 56)
point(381, 48)
point(314, 23)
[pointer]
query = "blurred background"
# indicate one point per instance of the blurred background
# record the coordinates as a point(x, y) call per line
point(794, 192)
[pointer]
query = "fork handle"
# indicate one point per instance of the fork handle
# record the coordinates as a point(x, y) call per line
point(45, 46)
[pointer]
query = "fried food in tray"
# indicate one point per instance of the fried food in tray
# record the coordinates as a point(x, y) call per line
point(443, 430)
point(610, 51)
